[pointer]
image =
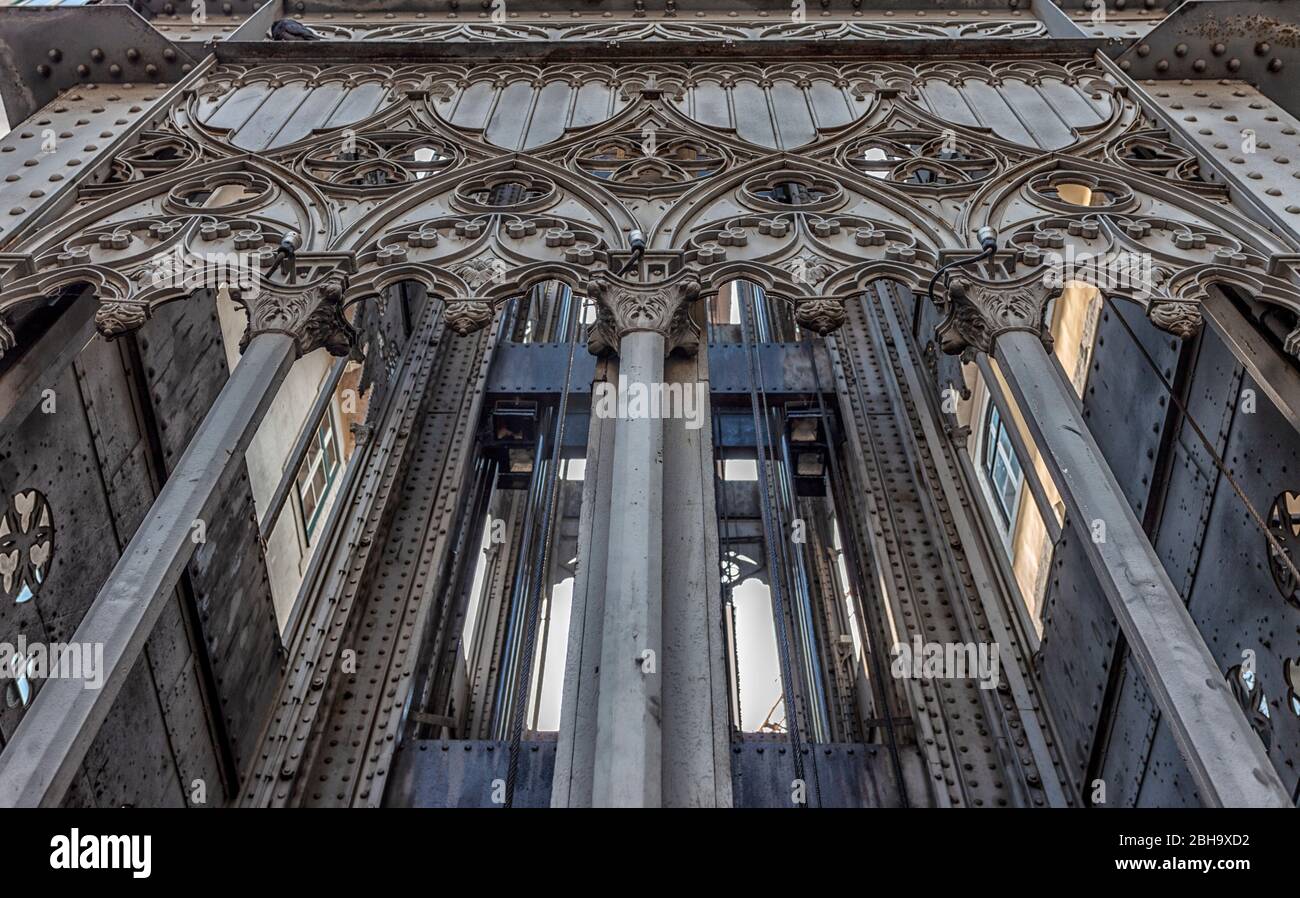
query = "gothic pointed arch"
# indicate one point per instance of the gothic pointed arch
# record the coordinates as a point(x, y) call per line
point(1133, 234)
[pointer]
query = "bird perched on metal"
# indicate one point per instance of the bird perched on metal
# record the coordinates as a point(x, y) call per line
point(289, 30)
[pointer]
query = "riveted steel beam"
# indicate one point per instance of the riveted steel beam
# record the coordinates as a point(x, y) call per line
point(1268, 367)
point(1250, 40)
point(45, 51)
point(340, 52)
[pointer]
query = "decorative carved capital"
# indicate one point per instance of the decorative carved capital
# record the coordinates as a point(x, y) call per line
point(821, 315)
point(1182, 318)
point(311, 314)
point(1291, 344)
point(977, 312)
point(7, 338)
point(465, 316)
point(625, 307)
point(115, 318)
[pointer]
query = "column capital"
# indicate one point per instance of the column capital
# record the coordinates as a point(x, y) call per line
point(821, 315)
point(310, 313)
point(7, 338)
point(625, 307)
point(976, 311)
point(467, 315)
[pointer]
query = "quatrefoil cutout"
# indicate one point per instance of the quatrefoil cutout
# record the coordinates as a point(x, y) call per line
point(26, 545)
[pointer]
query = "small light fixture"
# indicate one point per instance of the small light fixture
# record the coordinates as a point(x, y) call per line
point(805, 430)
point(512, 442)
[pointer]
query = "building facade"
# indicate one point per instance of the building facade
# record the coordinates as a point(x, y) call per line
point(650, 403)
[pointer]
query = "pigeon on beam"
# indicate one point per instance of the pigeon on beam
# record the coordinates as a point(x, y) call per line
point(289, 30)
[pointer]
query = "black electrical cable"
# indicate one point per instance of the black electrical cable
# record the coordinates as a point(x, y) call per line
point(539, 577)
point(637, 241)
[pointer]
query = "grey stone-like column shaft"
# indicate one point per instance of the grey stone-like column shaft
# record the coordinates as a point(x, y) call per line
point(1226, 759)
point(51, 741)
point(629, 739)
point(642, 323)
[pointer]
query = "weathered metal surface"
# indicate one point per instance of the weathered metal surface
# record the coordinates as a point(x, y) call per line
point(1255, 40)
point(1128, 769)
point(1247, 140)
point(1228, 766)
point(859, 125)
point(430, 773)
point(380, 618)
point(332, 591)
point(849, 776)
point(1266, 363)
point(525, 368)
point(51, 741)
point(184, 369)
point(63, 144)
point(45, 51)
point(958, 722)
point(786, 368)
point(1234, 599)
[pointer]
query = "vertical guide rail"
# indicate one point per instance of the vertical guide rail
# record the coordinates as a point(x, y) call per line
point(849, 545)
point(541, 577)
point(769, 541)
point(1227, 762)
point(50, 743)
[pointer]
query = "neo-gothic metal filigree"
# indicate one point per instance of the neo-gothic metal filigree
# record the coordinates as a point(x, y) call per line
point(810, 180)
point(26, 545)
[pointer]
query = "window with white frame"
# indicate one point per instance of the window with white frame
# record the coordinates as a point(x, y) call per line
point(316, 473)
point(1001, 466)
